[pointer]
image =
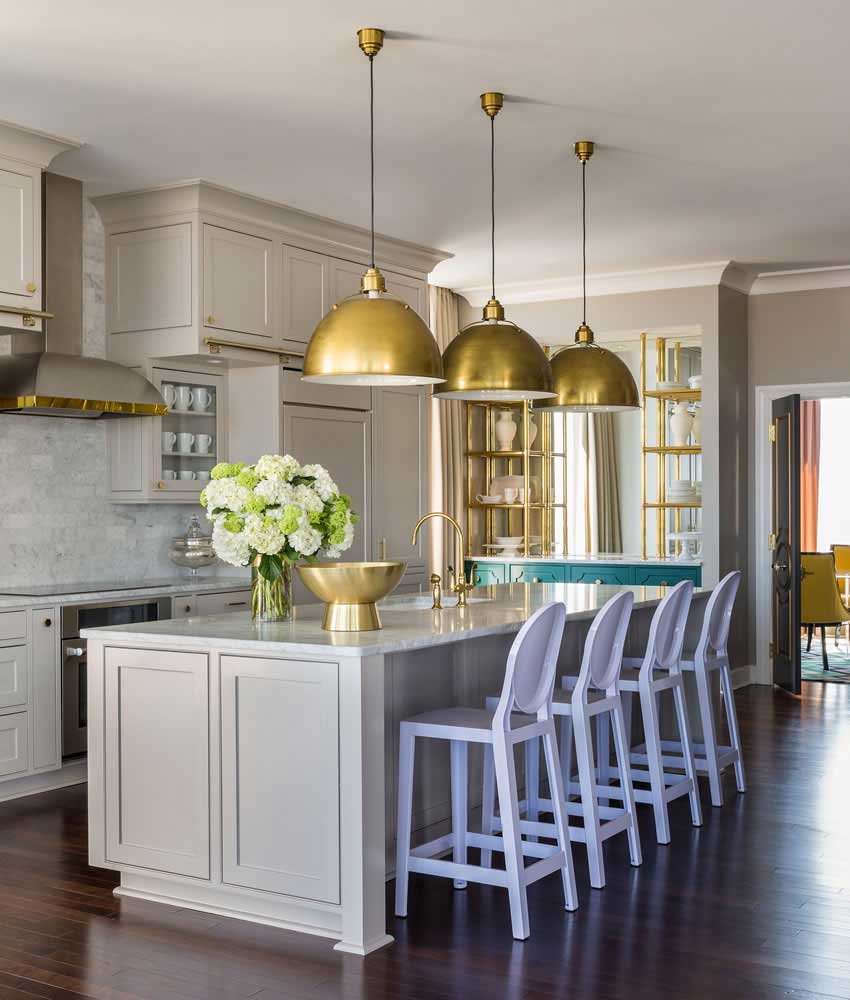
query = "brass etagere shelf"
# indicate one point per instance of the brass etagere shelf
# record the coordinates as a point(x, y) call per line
point(660, 448)
point(541, 468)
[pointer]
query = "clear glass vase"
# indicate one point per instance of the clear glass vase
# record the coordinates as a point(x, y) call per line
point(271, 600)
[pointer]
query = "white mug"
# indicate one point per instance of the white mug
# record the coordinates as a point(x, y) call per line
point(168, 440)
point(203, 475)
point(202, 444)
point(510, 494)
point(169, 474)
point(168, 394)
point(201, 398)
point(185, 440)
point(186, 474)
point(521, 494)
point(182, 397)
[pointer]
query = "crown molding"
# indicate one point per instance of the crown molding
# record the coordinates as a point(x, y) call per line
point(722, 272)
point(28, 145)
point(805, 279)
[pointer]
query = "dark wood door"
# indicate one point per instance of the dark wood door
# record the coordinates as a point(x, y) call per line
point(785, 539)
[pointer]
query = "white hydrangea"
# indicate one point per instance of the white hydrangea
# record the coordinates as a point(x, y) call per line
point(308, 498)
point(231, 547)
point(323, 485)
point(282, 467)
point(263, 536)
point(226, 493)
point(305, 540)
point(275, 491)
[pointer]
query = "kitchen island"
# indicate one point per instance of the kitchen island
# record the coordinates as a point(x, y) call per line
point(250, 770)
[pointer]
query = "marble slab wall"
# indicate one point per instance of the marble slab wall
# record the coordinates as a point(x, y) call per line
point(56, 522)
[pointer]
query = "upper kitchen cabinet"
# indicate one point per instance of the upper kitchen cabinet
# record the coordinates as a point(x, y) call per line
point(24, 156)
point(237, 279)
point(197, 270)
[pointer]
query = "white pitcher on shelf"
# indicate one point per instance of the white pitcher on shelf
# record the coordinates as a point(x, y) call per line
point(505, 430)
point(681, 421)
point(696, 429)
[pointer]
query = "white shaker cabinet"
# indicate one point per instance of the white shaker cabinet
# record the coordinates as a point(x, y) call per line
point(46, 689)
point(305, 292)
point(237, 280)
point(20, 237)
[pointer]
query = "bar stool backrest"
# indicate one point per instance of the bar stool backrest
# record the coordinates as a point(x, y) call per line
point(603, 648)
point(718, 613)
point(530, 671)
point(667, 631)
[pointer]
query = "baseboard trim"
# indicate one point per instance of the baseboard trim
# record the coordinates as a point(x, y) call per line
point(743, 676)
point(73, 773)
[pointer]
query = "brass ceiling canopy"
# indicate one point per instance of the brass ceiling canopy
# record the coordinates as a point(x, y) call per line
point(589, 378)
point(372, 338)
point(493, 359)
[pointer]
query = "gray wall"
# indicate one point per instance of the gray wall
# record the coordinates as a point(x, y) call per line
point(57, 522)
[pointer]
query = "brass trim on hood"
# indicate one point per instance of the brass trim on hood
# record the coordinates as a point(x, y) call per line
point(68, 403)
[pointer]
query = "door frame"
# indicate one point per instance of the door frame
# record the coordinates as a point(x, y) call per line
point(761, 571)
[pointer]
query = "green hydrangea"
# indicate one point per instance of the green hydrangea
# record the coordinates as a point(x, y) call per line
point(289, 521)
point(255, 504)
point(225, 469)
point(247, 478)
point(202, 499)
point(234, 523)
point(335, 517)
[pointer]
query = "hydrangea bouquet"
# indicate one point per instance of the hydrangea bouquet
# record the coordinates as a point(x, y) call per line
point(270, 515)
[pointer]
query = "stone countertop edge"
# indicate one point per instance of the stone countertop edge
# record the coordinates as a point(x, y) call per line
point(421, 628)
point(208, 585)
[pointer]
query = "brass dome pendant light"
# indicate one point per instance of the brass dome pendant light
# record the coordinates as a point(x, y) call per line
point(589, 378)
point(494, 359)
point(372, 338)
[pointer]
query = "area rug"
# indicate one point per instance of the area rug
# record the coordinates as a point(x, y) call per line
point(839, 661)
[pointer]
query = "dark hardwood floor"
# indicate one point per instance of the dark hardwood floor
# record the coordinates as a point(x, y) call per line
point(755, 904)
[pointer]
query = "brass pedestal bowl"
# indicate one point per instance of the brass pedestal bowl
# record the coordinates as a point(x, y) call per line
point(350, 590)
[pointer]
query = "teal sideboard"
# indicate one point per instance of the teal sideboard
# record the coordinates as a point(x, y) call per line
point(550, 571)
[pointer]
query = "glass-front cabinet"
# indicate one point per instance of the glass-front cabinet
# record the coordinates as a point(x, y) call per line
point(170, 458)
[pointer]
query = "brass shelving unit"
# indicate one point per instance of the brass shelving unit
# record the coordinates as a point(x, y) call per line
point(660, 449)
point(541, 468)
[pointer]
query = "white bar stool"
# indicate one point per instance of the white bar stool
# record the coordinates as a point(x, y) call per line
point(659, 670)
point(712, 654)
point(527, 689)
point(595, 695)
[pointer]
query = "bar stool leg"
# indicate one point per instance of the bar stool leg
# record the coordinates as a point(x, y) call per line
point(565, 748)
point(532, 782)
point(556, 790)
point(603, 748)
point(460, 804)
point(709, 735)
point(687, 751)
point(405, 812)
point(488, 803)
point(506, 786)
point(589, 802)
point(649, 710)
point(623, 752)
point(732, 723)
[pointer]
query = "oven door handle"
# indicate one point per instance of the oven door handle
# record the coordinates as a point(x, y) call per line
point(74, 651)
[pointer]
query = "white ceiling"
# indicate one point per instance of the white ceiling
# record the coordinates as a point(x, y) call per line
point(722, 126)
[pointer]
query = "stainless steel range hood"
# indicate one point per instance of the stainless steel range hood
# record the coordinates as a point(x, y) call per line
point(47, 374)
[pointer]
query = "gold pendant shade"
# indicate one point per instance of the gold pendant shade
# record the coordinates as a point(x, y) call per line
point(589, 378)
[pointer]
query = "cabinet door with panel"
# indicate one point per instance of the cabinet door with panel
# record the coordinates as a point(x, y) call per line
point(20, 239)
point(237, 282)
point(223, 604)
point(413, 291)
point(537, 573)
point(305, 292)
point(400, 476)
point(485, 574)
point(14, 744)
point(46, 685)
point(156, 756)
point(600, 574)
point(344, 278)
point(665, 576)
point(14, 676)
point(280, 824)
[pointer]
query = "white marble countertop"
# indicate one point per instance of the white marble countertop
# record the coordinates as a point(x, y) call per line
point(107, 590)
point(596, 557)
point(408, 622)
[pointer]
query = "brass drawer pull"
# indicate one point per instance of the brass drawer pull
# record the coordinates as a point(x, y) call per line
point(535, 579)
point(598, 582)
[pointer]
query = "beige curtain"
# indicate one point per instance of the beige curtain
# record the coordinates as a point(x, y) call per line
point(448, 430)
point(604, 485)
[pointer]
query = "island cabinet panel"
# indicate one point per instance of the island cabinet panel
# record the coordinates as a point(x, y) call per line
point(486, 573)
point(596, 573)
point(237, 280)
point(666, 576)
point(14, 676)
point(156, 755)
point(46, 685)
point(14, 755)
point(280, 776)
point(537, 573)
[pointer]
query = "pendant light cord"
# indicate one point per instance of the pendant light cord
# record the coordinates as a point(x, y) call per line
point(583, 244)
point(372, 151)
point(493, 207)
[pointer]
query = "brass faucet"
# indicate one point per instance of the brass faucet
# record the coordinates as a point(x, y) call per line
point(457, 583)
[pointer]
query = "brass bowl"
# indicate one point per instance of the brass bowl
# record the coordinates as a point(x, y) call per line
point(350, 590)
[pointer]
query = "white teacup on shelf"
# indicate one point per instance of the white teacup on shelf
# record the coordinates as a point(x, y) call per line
point(182, 397)
point(168, 440)
point(186, 475)
point(185, 440)
point(169, 474)
point(203, 443)
point(201, 398)
point(168, 394)
point(203, 475)
point(511, 494)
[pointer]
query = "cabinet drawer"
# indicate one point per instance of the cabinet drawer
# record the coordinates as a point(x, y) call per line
point(13, 625)
point(621, 575)
point(487, 573)
point(183, 607)
point(665, 576)
point(538, 573)
point(219, 604)
point(14, 676)
point(14, 756)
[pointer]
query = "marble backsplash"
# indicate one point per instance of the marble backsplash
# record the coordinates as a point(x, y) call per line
point(57, 524)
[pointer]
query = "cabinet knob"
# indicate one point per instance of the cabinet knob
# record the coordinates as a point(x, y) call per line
point(31, 287)
point(188, 608)
point(535, 579)
point(597, 582)
point(211, 319)
point(663, 583)
point(48, 622)
point(161, 484)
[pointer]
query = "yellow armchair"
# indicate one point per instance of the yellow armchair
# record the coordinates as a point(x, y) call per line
point(820, 599)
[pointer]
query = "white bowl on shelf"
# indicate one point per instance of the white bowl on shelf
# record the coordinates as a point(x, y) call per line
point(695, 381)
point(670, 386)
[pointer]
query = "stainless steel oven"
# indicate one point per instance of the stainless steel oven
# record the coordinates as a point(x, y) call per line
point(79, 616)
